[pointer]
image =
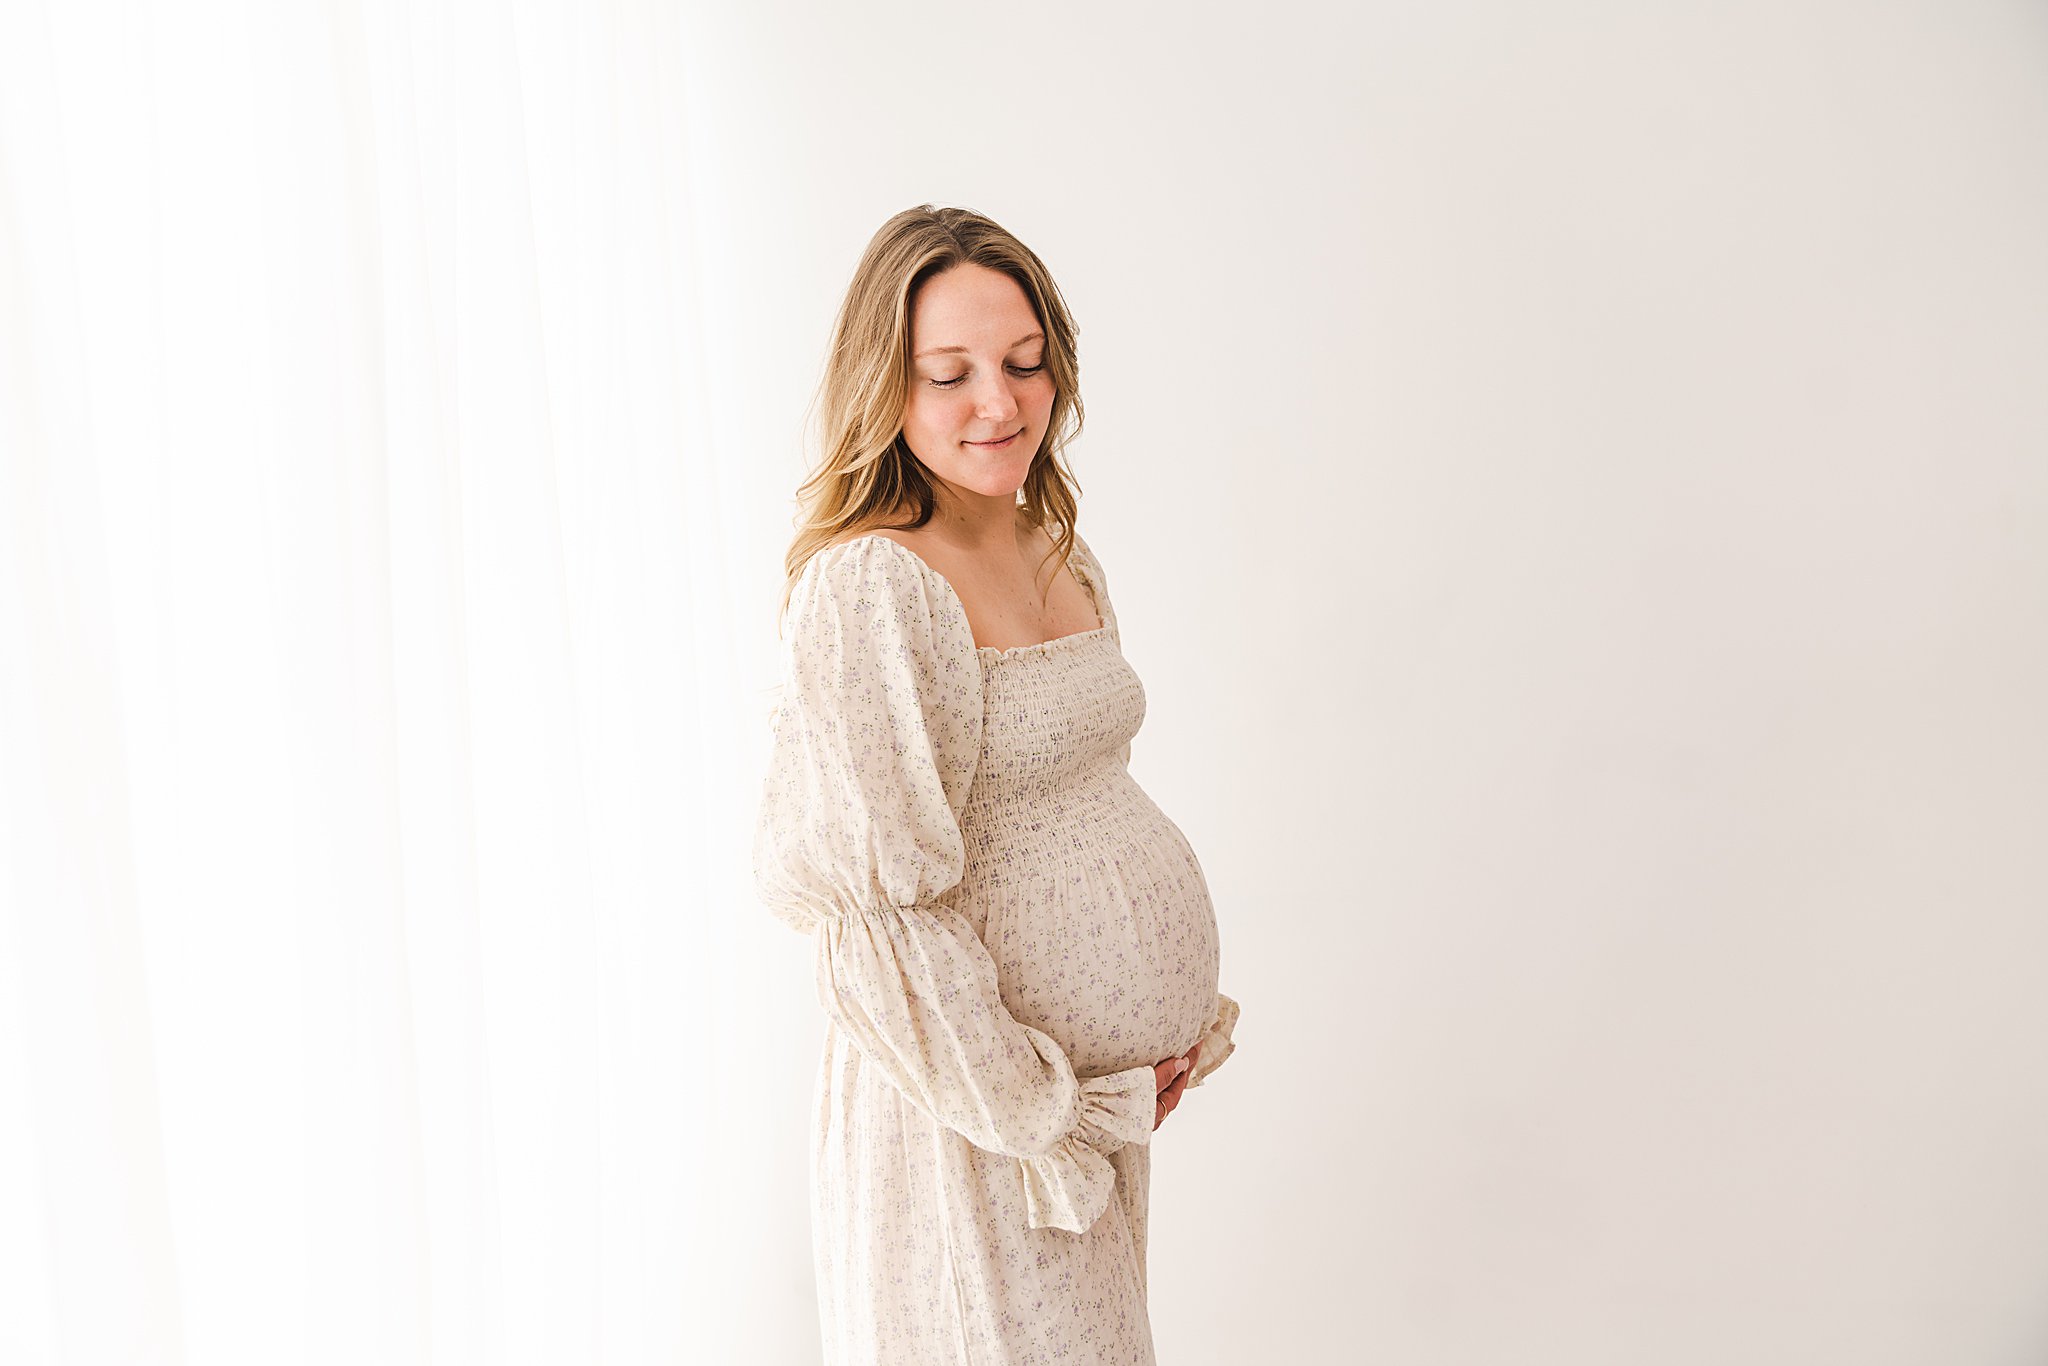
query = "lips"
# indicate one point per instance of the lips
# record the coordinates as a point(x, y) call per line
point(999, 441)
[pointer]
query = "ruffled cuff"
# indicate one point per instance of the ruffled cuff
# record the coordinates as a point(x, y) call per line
point(1216, 1042)
point(1070, 1186)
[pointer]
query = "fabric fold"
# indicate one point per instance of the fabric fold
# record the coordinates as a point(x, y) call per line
point(1119, 1108)
point(1070, 1187)
point(1216, 1041)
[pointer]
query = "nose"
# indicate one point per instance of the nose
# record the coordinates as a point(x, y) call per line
point(994, 403)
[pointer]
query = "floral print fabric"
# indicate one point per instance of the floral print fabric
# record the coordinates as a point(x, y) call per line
point(1007, 933)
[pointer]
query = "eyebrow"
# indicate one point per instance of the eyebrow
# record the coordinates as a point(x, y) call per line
point(944, 350)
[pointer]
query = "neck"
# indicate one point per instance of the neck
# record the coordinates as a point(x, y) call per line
point(980, 523)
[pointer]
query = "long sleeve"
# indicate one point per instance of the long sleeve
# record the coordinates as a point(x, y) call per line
point(858, 843)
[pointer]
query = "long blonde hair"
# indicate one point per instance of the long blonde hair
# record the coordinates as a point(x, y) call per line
point(865, 470)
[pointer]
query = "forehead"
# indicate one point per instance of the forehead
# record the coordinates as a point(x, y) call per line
point(970, 306)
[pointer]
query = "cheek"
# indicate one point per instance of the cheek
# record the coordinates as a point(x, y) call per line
point(930, 414)
point(918, 411)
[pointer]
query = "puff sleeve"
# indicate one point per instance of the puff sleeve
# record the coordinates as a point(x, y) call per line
point(858, 843)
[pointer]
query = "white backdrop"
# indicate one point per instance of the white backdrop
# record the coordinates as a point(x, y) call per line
point(1574, 479)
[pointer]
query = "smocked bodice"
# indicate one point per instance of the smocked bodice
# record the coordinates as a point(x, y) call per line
point(1057, 724)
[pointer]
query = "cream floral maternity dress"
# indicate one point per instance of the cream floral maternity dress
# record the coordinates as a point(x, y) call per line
point(1007, 935)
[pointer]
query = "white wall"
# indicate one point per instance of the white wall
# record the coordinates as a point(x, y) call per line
point(1574, 479)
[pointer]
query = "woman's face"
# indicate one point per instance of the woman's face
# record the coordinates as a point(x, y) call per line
point(977, 373)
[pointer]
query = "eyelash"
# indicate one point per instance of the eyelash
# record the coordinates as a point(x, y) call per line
point(949, 383)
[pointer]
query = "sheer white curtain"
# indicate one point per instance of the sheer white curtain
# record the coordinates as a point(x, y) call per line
point(369, 678)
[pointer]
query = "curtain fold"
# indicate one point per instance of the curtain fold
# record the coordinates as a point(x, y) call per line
point(368, 673)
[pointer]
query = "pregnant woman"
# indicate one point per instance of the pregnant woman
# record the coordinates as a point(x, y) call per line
point(1014, 945)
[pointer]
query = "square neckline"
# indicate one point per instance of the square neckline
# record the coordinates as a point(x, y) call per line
point(1085, 579)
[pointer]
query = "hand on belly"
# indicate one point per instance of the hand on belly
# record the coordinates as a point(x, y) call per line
point(1172, 1077)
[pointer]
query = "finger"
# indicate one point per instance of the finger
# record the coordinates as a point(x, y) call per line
point(1168, 1098)
point(1169, 1095)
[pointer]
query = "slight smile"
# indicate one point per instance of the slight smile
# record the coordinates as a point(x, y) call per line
point(998, 445)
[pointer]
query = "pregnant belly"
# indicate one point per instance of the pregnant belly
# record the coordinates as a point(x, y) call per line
point(1103, 933)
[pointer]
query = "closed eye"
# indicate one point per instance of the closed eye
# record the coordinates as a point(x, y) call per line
point(1015, 370)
